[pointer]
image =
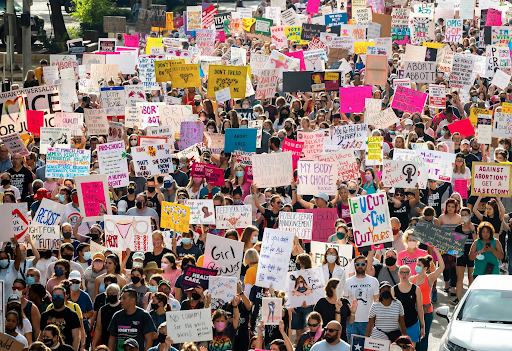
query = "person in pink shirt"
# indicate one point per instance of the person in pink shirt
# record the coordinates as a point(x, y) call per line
point(410, 256)
point(170, 271)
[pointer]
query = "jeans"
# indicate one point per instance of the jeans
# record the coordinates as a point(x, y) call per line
point(356, 328)
point(429, 317)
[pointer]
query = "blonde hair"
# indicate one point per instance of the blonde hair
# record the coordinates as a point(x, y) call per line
point(251, 257)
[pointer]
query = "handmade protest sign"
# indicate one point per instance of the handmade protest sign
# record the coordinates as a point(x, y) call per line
point(346, 161)
point(196, 276)
point(439, 164)
point(201, 211)
point(48, 213)
point(352, 99)
point(133, 232)
point(275, 252)
point(317, 177)
point(54, 138)
point(93, 197)
point(383, 119)
point(191, 133)
point(374, 151)
point(270, 307)
point(420, 72)
point(96, 121)
point(437, 96)
point(502, 125)
point(271, 170)
point(367, 343)
point(35, 120)
point(399, 174)
point(112, 160)
point(441, 238)
point(462, 71)
point(409, 100)
point(323, 222)
point(223, 255)
point(73, 121)
point(175, 216)
point(20, 221)
point(461, 186)
point(244, 139)
point(306, 285)
point(68, 163)
point(267, 83)
point(15, 145)
point(351, 136)
point(453, 33)
point(185, 75)
point(296, 149)
point(233, 77)
point(313, 144)
point(6, 217)
point(229, 217)
point(45, 237)
point(491, 179)
point(192, 325)
point(370, 219)
point(301, 224)
point(151, 160)
point(222, 288)
point(318, 253)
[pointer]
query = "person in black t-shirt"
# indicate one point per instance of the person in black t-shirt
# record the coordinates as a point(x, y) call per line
point(53, 340)
point(21, 177)
point(63, 317)
point(433, 195)
point(468, 156)
point(400, 208)
point(271, 214)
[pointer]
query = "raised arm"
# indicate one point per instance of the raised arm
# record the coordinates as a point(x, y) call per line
point(475, 208)
point(432, 277)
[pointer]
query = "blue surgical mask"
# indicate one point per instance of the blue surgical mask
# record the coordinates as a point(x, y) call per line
point(4, 263)
point(244, 126)
point(281, 138)
point(239, 174)
point(474, 98)
point(442, 132)
point(87, 255)
point(62, 198)
point(186, 241)
point(75, 287)
point(152, 289)
point(30, 280)
point(419, 270)
point(254, 239)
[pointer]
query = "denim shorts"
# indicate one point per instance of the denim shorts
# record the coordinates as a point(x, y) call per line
point(299, 317)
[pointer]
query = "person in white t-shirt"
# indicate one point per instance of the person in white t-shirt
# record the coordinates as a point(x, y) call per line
point(6, 185)
point(11, 323)
point(365, 289)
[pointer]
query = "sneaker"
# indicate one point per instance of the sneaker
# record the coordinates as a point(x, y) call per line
point(455, 302)
point(434, 295)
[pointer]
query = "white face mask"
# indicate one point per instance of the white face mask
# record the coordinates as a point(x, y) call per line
point(330, 258)
point(211, 130)
point(411, 244)
point(465, 219)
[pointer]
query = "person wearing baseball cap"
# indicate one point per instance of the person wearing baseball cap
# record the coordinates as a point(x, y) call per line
point(92, 272)
point(469, 157)
point(130, 345)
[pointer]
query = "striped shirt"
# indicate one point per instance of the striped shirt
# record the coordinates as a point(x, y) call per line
point(386, 318)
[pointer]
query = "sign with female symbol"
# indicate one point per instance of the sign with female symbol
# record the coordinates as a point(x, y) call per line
point(401, 174)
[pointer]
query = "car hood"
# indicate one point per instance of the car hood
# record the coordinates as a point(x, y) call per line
point(481, 336)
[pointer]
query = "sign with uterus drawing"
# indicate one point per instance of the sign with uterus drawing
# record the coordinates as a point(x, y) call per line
point(133, 232)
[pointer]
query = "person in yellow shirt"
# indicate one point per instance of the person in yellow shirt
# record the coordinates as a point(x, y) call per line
point(251, 260)
point(39, 71)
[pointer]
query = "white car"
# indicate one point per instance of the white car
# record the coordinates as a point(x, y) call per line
point(483, 318)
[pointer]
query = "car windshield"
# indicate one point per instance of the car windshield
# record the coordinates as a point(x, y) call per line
point(17, 7)
point(489, 306)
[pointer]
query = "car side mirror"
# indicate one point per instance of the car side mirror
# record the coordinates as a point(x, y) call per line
point(443, 312)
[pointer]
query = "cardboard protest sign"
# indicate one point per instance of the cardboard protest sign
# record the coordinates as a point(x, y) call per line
point(399, 174)
point(440, 164)
point(305, 285)
point(230, 217)
point(317, 177)
point(185, 75)
point(374, 151)
point(463, 126)
point(93, 197)
point(409, 100)
point(133, 232)
point(351, 136)
point(376, 66)
point(244, 139)
point(6, 217)
point(197, 276)
point(48, 213)
point(441, 238)
point(20, 220)
point(420, 72)
point(175, 216)
point(45, 237)
point(233, 77)
point(223, 255)
point(501, 79)
point(96, 121)
point(313, 144)
point(491, 179)
point(222, 288)
point(274, 169)
point(346, 162)
point(370, 219)
point(151, 160)
point(323, 222)
point(352, 99)
point(296, 149)
point(15, 145)
point(6, 341)
point(53, 137)
point(271, 308)
point(383, 119)
point(163, 69)
point(185, 326)
point(68, 163)
point(462, 71)
point(112, 158)
point(301, 224)
point(274, 260)
point(201, 211)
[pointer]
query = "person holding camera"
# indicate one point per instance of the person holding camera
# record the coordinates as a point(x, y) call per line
point(486, 251)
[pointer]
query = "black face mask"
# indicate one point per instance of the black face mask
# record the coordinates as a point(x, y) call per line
point(94, 236)
point(503, 99)
point(112, 298)
point(196, 296)
point(135, 280)
point(161, 338)
point(160, 180)
point(46, 254)
point(37, 139)
point(357, 118)
point(197, 103)
point(386, 295)
point(352, 191)
point(151, 189)
point(5, 182)
point(390, 261)
point(66, 235)
point(58, 302)
point(154, 306)
point(131, 190)
point(67, 257)
point(47, 342)
point(140, 205)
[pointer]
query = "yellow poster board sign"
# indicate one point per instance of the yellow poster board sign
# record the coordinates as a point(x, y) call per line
point(163, 69)
point(153, 43)
point(185, 76)
point(221, 77)
point(475, 111)
point(175, 216)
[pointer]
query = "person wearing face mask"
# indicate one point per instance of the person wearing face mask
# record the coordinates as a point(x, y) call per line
point(61, 270)
point(138, 284)
point(153, 193)
point(30, 310)
point(9, 268)
point(105, 315)
point(96, 269)
point(12, 319)
point(187, 246)
point(69, 325)
point(141, 209)
point(195, 185)
point(170, 272)
point(224, 332)
point(386, 317)
point(66, 251)
point(331, 267)
point(425, 282)
point(53, 340)
point(130, 195)
point(467, 228)
point(195, 299)
point(20, 176)
point(159, 307)
point(163, 342)
point(388, 270)
point(83, 257)
point(410, 256)
point(6, 185)
point(83, 300)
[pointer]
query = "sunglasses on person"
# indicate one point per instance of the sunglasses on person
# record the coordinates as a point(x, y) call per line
point(57, 297)
point(331, 330)
point(17, 288)
point(311, 325)
point(399, 194)
point(359, 264)
point(94, 156)
point(404, 272)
